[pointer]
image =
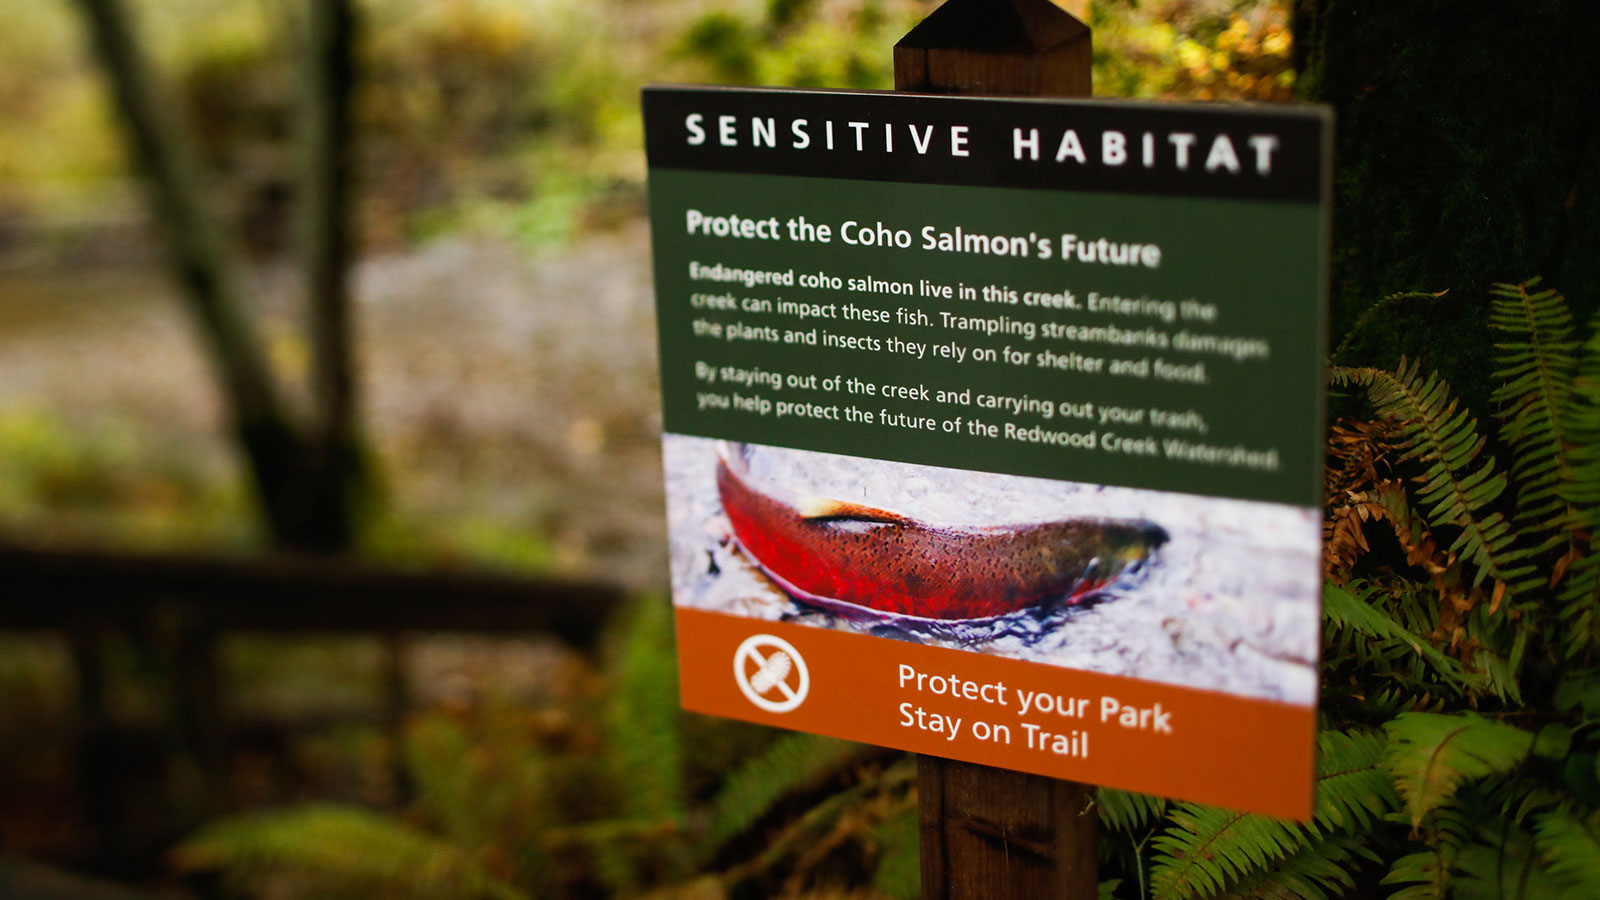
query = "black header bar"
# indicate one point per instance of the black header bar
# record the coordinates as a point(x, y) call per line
point(1172, 149)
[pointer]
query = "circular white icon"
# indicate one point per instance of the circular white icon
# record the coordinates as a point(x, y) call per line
point(771, 673)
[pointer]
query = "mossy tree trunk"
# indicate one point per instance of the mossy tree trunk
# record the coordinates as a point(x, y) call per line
point(1467, 151)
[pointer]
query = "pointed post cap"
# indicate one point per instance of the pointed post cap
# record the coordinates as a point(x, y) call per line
point(1029, 48)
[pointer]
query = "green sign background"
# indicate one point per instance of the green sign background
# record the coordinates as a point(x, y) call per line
point(1259, 263)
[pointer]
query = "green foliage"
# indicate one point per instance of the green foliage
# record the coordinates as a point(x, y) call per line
point(1126, 810)
point(1184, 50)
point(1536, 370)
point(1362, 630)
point(605, 799)
point(1457, 487)
point(791, 763)
point(1461, 684)
point(475, 793)
point(799, 43)
point(1207, 849)
point(1432, 754)
point(1428, 872)
point(1572, 847)
point(338, 852)
point(899, 872)
point(1318, 872)
point(645, 737)
point(105, 479)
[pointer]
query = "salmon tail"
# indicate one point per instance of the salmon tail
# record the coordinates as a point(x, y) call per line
point(826, 508)
point(733, 463)
point(731, 454)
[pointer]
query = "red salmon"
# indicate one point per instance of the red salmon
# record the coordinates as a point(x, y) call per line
point(842, 554)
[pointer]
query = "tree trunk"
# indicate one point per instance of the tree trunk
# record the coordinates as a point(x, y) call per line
point(1466, 152)
point(326, 250)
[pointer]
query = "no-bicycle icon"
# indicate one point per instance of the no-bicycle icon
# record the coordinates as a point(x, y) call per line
point(771, 673)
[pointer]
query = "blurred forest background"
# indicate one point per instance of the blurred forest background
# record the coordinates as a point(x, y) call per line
point(507, 412)
point(498, 209)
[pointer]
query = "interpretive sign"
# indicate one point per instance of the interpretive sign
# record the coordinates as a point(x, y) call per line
point(993, 427)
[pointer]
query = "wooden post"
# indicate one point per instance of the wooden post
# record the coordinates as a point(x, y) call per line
point(1015, 48)
point(989, 832)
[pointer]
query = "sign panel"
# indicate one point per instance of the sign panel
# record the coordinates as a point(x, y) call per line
point(993, 427)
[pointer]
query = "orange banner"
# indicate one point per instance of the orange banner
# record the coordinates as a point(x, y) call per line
point(1210, 747)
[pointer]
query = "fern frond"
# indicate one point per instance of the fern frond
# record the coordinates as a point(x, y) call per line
point(1409, 529)
point(1580, 692)
point(1431, 754)
point(1583, 430)
point(1428, 872)
point(1455, 486)
point(899, 872)
point(1578, 601)
point(437, 750)
point(1372, 312)
point(1504, 862)
point(791, 763)
point(344, 852)
point(1358, 493)
point(1536, 367)
point(1578, 607)
point(644, 733)
point(876, 799)
point(1319, 872)
point(1208, 850)
point(1354, 610)
point(485, 789)
point(1570, 849)
point(1353, 786)
point(1127, 811)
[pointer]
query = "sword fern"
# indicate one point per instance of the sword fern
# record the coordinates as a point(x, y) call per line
point(1321, 871)
point(1432, 754)
point(1580, 594)
point(791, 764)
point(1458, 483)
point(1207, 849)
point(1461, 650)
point(1536, 367)
point(1571, 844)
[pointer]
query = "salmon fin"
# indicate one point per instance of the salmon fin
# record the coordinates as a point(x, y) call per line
point(826, 508)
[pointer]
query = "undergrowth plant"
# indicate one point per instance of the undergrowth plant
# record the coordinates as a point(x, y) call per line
point(1460, 707)
point(624, 796)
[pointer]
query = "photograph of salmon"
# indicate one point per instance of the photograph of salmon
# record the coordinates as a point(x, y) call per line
point(862, 560)
point(1204, 592)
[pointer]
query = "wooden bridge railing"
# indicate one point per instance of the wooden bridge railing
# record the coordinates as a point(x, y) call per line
point(179, 606)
